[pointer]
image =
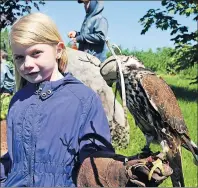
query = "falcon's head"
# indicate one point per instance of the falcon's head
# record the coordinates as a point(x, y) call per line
point(109, 68)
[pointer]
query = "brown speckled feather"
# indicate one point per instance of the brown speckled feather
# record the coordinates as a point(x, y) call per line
point(164, 101)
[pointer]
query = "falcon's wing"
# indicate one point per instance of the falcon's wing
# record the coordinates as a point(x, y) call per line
point(164, 101)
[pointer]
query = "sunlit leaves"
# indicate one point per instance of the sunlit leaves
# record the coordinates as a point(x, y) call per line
point(185, 41)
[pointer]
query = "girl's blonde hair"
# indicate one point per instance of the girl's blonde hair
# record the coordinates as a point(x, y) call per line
point(36, 28)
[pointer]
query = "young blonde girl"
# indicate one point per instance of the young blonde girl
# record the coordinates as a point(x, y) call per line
point(55, 123)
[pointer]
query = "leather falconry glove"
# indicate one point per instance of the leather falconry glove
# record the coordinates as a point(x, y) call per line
point(97, 171)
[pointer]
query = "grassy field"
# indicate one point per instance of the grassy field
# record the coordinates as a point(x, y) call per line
point(187, 96)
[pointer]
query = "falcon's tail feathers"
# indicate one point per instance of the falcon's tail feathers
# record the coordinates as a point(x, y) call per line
point(192, 147)
point(195, 147)
point(175, 163)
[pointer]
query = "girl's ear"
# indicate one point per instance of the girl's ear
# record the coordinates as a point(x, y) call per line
point(59, 49)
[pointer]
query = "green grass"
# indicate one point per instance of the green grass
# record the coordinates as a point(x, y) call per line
point(187, 98)
point(5, 100)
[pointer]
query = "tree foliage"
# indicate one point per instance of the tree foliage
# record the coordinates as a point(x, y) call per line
point(11, 9)
point(161, 60)
point(5, 101)
point(5, 43)
point(186, 46)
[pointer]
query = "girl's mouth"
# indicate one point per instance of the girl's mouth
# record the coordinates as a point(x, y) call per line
point(32, 73)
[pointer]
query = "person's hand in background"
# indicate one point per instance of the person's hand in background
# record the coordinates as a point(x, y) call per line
point(72, 34)
point(74, 40)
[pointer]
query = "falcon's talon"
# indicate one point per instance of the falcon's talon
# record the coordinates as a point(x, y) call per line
point(143, 163)
point(156, 164)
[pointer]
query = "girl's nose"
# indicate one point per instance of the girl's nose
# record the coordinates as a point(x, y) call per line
point(28, 62)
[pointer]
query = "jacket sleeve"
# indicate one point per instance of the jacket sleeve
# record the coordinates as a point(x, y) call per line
point(9, 73)
point(77, 33)
point(98, 36)
point(94, 133)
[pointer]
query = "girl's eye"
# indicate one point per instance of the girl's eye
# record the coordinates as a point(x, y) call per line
point(36, 53)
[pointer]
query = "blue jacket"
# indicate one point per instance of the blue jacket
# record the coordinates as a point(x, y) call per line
point(93, 33)
point(7, 78)
point(45, 129)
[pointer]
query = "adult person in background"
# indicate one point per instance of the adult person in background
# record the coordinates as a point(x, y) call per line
point(93, 33)
point(7, 75)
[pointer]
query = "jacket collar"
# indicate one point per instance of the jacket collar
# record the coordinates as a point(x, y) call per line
point(46, 89)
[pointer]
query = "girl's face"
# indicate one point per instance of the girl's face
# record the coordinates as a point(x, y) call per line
point(38, 62)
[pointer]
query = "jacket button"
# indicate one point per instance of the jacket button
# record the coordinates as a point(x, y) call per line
point(39, 90)
point(49, 92)
point(43, 94)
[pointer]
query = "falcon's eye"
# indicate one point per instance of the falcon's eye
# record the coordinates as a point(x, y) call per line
point(129, 67)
